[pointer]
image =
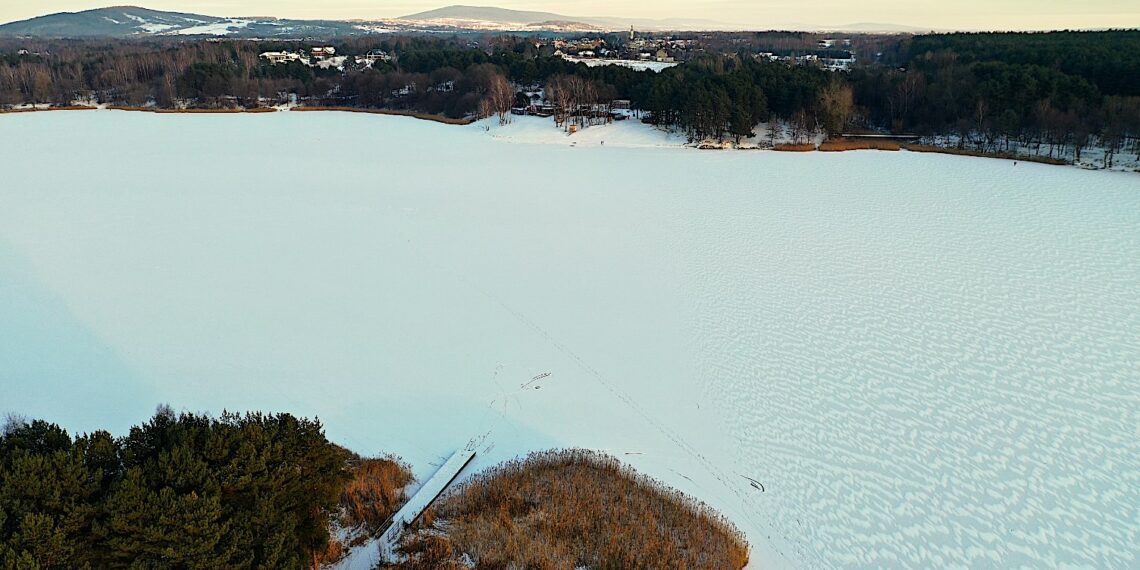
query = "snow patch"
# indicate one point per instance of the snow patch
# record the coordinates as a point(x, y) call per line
point(655, 66)
point(222, 28)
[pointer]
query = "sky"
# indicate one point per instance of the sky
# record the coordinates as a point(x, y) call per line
point(761, 14)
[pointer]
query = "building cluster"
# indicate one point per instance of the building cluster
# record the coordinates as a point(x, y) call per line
point(667, 49)
point(836, 56)
point(324, 57)
point(664, 50)
point(811, 59)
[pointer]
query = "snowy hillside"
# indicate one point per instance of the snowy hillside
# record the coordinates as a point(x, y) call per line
point(863, 359)
point(107, 22)
point(131, 21)
point(493, 18)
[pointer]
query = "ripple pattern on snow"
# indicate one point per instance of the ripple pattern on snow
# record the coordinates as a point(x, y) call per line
point(955, 371)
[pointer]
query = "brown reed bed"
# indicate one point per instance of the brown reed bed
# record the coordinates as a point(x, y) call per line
point(60, 108)
point(163, 110)
point(570, 509)
point(414, 114)
point(808, 147)
point(1002, 155)
point(841, 145)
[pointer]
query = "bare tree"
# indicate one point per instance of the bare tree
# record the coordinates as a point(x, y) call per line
point(837, 104)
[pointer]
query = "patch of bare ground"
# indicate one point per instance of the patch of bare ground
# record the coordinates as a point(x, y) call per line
point(571, 509)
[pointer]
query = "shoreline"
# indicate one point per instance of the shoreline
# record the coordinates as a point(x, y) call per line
point(253, 111)
point(829, 146)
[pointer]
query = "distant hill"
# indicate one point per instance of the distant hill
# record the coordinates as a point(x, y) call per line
point(106, 22)
point(488, 16)
point(132, 21)
point(878, 28)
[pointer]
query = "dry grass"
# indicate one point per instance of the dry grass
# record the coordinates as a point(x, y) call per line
point(375, 493)
point(367, 503)
point(968, 152)
point(567, 509)
point(333, 551)
point(423, 116)
point(223, 110)
point(844, 145)
point(794, 147)
point(60, 108)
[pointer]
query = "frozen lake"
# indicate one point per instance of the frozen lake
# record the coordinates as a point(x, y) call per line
point(925, 360)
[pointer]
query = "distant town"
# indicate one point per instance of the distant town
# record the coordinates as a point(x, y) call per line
point(636, 50)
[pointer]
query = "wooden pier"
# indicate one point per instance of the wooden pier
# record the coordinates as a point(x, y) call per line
point(424, 497)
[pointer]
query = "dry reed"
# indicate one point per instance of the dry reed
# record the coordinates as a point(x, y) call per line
point(60, 108)
point(422, 116)
point(794, 147)
point(968, 152)
point(568, 509)
point(841, 145)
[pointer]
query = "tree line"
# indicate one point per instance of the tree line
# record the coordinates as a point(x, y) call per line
point(1059, 91)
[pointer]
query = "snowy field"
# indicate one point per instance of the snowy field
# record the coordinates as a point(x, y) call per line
point(923, 360)
point(636, 65)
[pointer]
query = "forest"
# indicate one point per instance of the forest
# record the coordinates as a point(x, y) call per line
point(1061, 90)
point(184, 491)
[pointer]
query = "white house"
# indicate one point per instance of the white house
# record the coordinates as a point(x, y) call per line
point(373, 57)
point(276, 57)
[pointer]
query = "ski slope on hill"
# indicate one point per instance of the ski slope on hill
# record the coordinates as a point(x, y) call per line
point(863, 359)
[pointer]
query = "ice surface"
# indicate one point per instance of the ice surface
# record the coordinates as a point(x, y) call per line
point(925, 360)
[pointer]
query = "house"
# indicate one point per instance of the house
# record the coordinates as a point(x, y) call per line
point(23, 52)
point(276, 57)
point(620, 104)
point(826, 44)
point(663, 56)
point(374, 56)
point(323, 52)
point(839, 64)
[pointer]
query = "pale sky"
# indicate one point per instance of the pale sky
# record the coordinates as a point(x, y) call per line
point(759, 14)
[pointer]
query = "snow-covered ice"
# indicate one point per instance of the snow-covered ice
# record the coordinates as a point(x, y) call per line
point(925, 360)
